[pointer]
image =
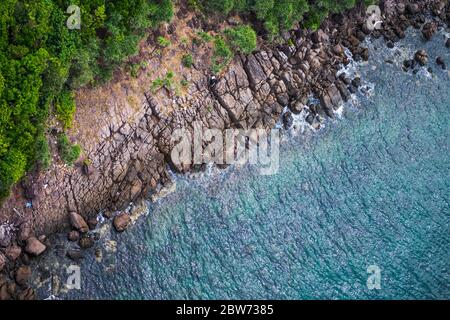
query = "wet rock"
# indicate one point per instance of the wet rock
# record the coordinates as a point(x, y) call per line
point(13, 252)
point(390, 44)
point(296, 107)
point(78, 222)
point(92, 223)
point(428, 30)
point(447, 44)
point(34, 246)
point(86, 242)
point(440, 62)
point(421, 57)
point(22, 275)
point(288, 120)
point(365, 54)
point(356, 82)
point(73, 236)
point(75, 255)
point(313, 120)
point(121, 222)
point(2, 261)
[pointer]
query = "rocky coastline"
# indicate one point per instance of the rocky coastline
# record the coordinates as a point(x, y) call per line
point(130, 159)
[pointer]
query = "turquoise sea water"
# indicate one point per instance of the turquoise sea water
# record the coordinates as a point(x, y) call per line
point(371, 188)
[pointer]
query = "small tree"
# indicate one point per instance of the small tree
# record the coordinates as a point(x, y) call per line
point(242, 38)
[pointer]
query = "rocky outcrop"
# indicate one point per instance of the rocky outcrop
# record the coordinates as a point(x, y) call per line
point(129, 155)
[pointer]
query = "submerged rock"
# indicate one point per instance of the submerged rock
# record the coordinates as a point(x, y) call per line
point(440, 62)
point(288, 120)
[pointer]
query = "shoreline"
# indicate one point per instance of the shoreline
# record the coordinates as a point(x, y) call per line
point(251, 74)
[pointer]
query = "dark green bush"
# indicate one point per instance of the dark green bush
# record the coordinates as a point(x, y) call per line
point(187, 60)
point(242, 38)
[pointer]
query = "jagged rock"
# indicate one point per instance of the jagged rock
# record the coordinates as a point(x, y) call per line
point(73, 236)
point(13, 252)
point(121, 222)
point(440, 62)
point(86, 242)
point(2, 261)
point(34, 246)
point(22, 275)
point(78, 222)
point(429, 29)
point(421, 57)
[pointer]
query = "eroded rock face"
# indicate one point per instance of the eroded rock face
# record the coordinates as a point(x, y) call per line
point(34, 247)
point(121, 222)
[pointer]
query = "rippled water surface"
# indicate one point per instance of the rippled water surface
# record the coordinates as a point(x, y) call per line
point(370, 189)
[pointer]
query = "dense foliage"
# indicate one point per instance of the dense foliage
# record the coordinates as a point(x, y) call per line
point(278, 15)
point(42, 61)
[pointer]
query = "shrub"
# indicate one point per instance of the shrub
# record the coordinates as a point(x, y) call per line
point(69, 153)
point(242, 38)
point(163, 42)
point(65, 108)
point(187, 60)
point(222, 55)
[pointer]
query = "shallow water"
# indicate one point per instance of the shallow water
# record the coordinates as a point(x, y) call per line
point(369, 189)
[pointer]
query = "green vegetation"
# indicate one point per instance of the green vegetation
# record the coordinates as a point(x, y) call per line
point(163, 42)
point(166, 82)
point(242, 39)
point(279, 15)
point(69, 152)
point(187, 60)
point(222, 55)
point(42, 61)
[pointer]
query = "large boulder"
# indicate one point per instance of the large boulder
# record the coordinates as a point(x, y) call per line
point(78, 222)
point(34, 247)
point(121, 222)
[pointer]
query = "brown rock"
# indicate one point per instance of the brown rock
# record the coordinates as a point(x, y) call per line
point(421, 57)
point(13, 252)
point(4, 294)
point(78, 222)
point(121, 222)
point(22, 275)
point(25, 231)
point(27, 294)
point(73, 236)
point(92, 223)
point(34, 246)
point(2, 261)
point(429, 29)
